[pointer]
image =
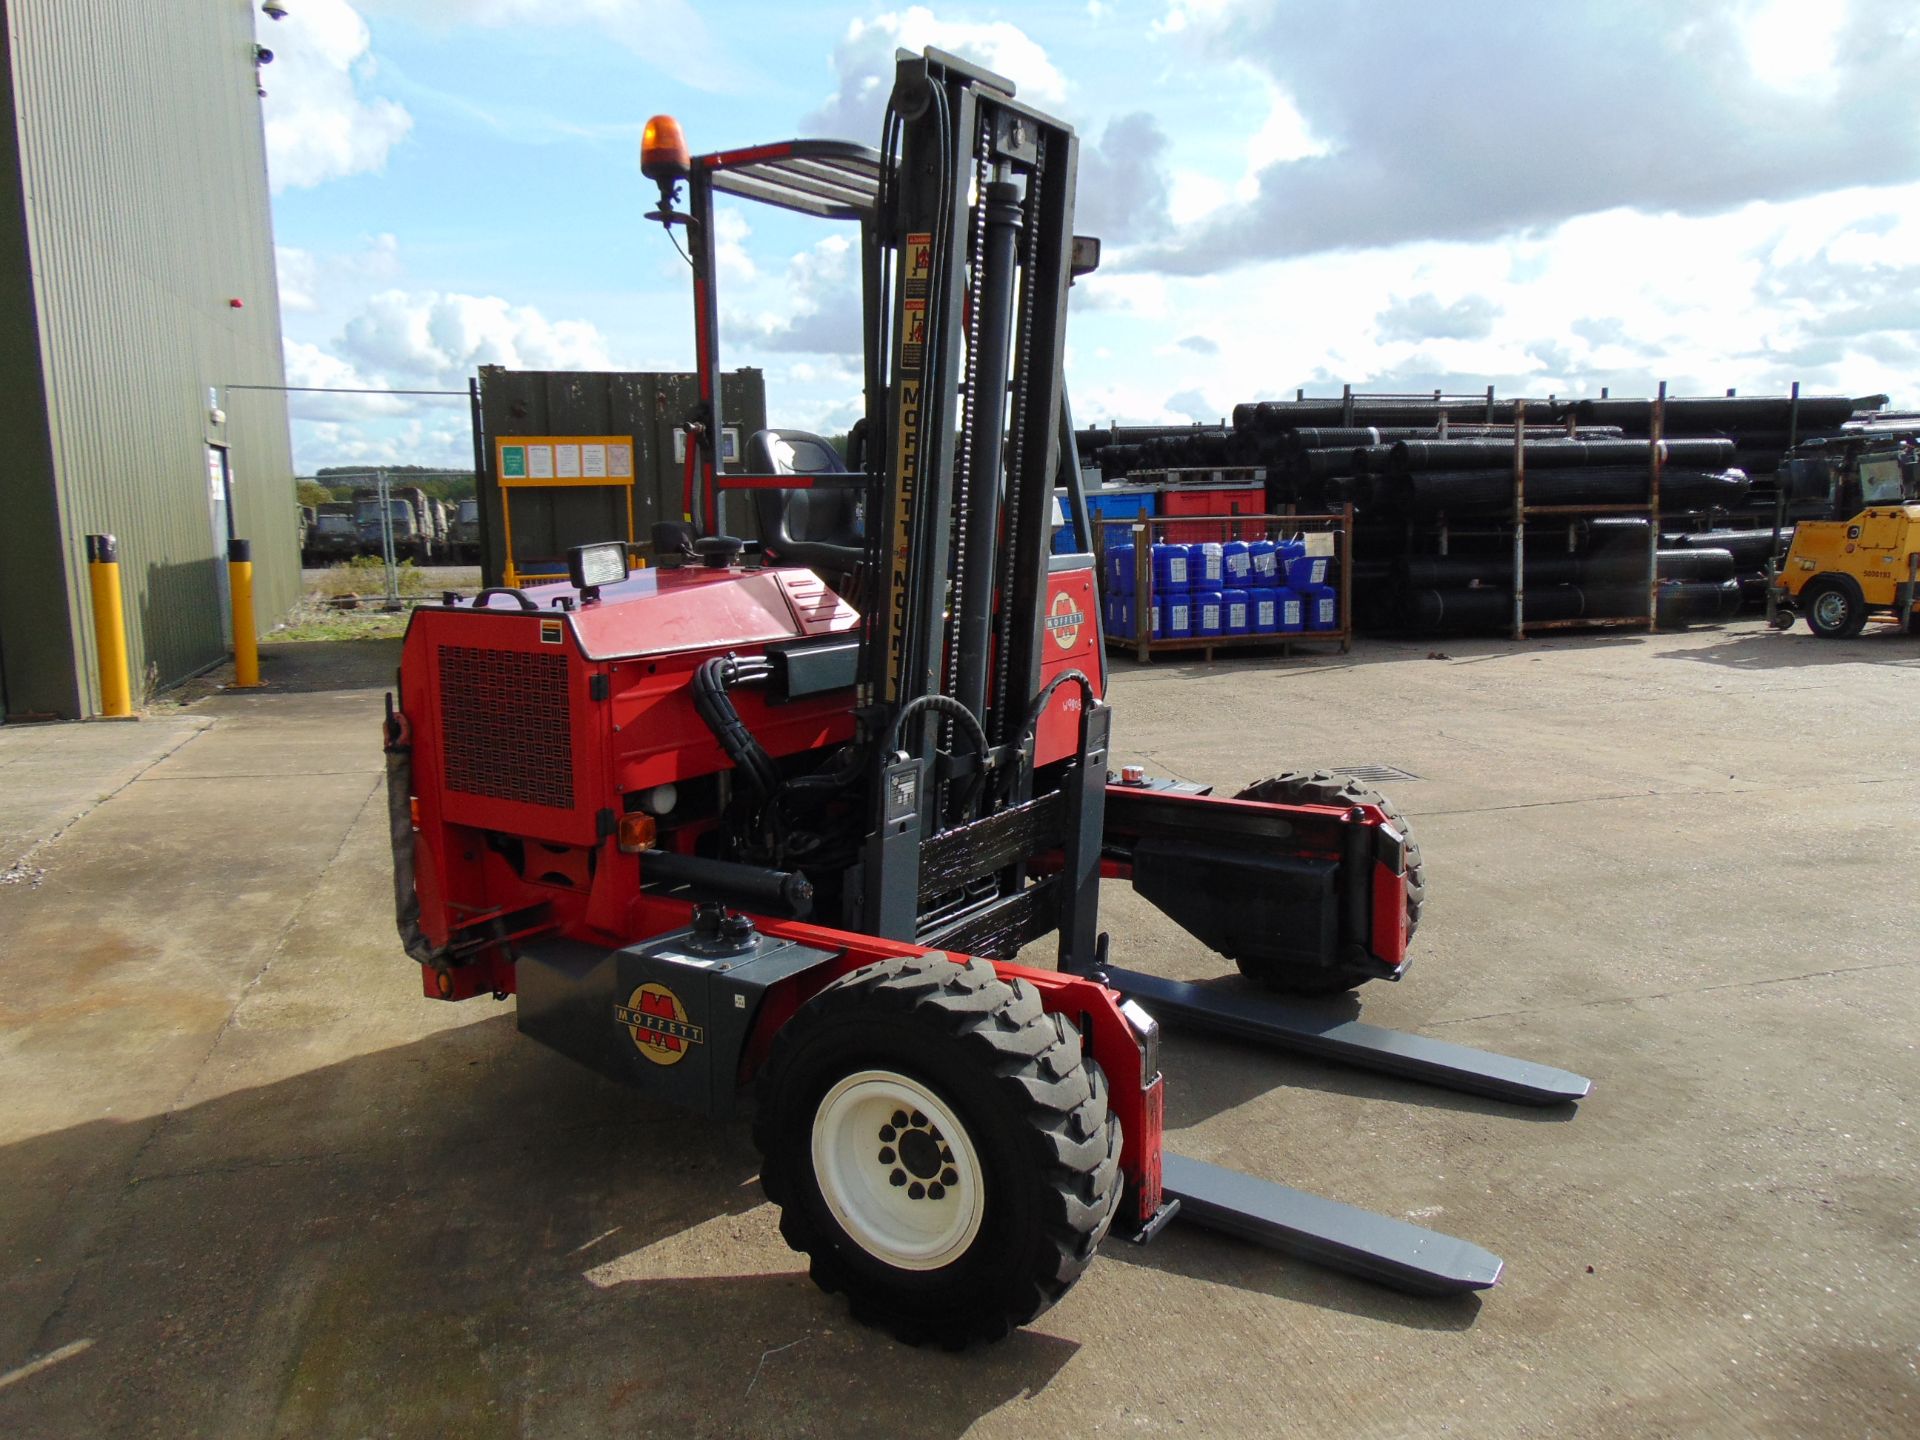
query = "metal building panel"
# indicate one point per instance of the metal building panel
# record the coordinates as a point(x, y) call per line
point(143, 158)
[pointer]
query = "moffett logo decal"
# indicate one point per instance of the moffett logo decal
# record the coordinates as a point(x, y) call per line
point(1064, 620)
point(658, 1023)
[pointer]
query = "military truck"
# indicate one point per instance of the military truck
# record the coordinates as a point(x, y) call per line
point(333, 536)
point(463, 535)
point(416, 536)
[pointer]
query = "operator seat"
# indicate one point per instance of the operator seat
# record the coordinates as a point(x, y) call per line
point(819, 529)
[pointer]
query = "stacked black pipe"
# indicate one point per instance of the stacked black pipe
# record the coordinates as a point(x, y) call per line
point(1432, 486)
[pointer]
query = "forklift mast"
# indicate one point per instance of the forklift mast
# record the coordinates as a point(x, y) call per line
point(967, 251)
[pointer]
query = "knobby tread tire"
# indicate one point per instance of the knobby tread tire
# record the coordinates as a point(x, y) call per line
point(1324, 787)
point(1026, 1093)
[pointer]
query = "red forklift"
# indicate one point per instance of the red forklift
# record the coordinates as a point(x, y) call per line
point(778, 818)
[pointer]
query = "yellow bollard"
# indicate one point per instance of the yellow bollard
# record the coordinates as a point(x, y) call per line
point(246, 642)
point(109, 626)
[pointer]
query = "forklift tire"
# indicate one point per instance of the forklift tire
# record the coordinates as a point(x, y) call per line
point(939, 1148)
point(1323, 787)
point(1834, 606)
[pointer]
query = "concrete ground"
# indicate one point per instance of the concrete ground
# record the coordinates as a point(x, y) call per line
point(253, 1184)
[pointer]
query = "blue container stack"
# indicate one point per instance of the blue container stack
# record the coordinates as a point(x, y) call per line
point(1305, 570)
point(1206, 565)
point(1264, 618)
point(1179, 614)
point(1239, 616)
point(1260, 561)
point(1171, 567)
point(1210, 611)
point(1236, 564)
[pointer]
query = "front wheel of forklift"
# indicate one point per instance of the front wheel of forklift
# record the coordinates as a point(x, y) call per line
point(939, 1147)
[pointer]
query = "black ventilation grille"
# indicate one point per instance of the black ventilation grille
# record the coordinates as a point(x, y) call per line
point(504, 726)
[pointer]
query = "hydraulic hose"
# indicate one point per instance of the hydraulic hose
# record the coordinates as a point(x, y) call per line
point(946, 705)
point(710, 685)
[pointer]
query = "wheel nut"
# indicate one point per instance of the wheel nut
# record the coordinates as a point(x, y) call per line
point(917, 1191)
point(886, 1156)
point(899, 1177)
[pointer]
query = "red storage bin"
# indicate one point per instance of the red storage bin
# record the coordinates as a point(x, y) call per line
point(1215, 500)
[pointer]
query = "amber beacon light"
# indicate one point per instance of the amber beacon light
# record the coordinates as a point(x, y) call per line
point(664, 159)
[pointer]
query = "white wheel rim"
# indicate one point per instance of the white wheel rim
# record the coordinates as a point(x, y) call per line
point(1832, 609)
point(920, 1207)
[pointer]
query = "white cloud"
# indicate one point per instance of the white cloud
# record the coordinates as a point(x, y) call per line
point(1824, 290)
point(1791, 45)
point(819, 312)
point(668, 35)
point(433, 340)
point(1396, 121)
point(863, 65)
point(320, 123)
point(297, 274)
point(730, 235)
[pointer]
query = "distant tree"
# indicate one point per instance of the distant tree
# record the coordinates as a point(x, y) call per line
point(313, 493)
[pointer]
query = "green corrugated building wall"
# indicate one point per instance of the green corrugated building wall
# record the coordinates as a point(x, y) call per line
point(133, 214)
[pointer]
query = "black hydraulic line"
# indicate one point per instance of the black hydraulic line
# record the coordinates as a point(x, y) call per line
point(1341, 1237)
point(406, 901)
point(1030, 725)
point(715, 707)
point(946, 705)
point(1312, 1031)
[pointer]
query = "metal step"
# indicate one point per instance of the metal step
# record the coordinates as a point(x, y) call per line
point(1392, 1052)
point(1342, 1237)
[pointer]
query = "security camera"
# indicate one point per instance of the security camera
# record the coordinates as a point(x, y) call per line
point(274, 10)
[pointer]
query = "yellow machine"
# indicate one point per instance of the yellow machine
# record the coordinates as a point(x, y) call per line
point(1841, 571)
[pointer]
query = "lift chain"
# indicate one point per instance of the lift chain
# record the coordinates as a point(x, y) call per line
point(1022, 390)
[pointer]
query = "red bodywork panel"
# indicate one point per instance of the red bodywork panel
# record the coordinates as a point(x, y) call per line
point(528, 728)
point(1072, 643)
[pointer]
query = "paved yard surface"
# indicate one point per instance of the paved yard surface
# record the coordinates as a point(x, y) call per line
point(252, 1184)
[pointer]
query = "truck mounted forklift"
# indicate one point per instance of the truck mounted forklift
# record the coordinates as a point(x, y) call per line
point(781, 817)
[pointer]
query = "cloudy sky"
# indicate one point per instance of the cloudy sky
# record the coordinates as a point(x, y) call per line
point(1397, 195)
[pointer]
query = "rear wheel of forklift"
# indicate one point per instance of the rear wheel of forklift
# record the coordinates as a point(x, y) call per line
point(1323, 787)
point(939, 1147)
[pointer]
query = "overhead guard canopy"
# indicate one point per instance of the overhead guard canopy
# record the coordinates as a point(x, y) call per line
point(833, 179)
